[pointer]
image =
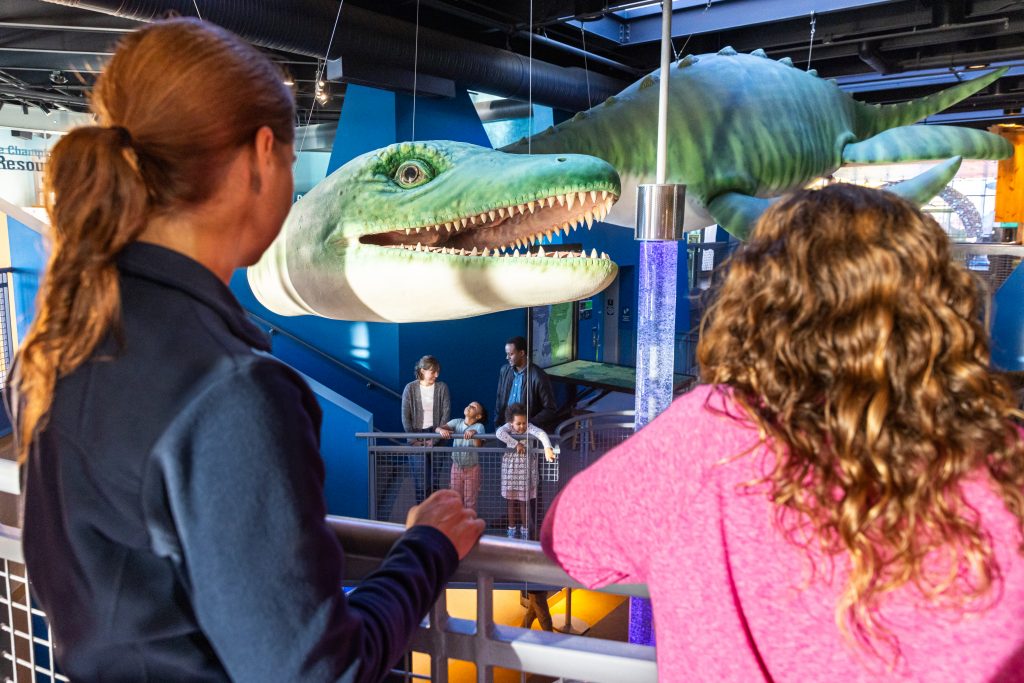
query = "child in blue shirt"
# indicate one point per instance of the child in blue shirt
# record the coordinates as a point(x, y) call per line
point(466, 464)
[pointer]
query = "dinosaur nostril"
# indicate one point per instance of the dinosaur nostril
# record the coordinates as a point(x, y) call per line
point(560, 159)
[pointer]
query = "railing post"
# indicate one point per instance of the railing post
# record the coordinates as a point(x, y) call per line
point(484, 624)
point(438, 624)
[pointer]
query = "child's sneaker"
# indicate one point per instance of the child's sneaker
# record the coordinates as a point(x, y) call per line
point(511, 532)
point(524, 534)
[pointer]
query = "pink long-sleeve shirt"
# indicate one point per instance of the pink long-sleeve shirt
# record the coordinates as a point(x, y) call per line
point(733, 599)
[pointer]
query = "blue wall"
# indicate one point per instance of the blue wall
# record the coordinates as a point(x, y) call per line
point(28, 257)
point(346, 458)
point(1008, 323)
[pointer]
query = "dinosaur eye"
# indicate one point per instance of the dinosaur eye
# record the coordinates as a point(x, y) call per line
point(412, 174)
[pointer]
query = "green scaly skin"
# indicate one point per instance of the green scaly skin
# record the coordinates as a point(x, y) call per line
point(745, 127)
point(345, 253)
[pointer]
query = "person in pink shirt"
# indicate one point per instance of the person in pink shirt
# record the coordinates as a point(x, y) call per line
point(843, 499)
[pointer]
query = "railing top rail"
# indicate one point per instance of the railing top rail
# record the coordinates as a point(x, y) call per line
point(366, 543)
point(988, 248)
point(432, 435)
point(275, 329)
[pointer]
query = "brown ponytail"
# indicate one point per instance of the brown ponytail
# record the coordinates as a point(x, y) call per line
point(175, 103)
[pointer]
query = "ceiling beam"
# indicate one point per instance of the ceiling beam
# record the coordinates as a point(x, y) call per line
point(732, 14)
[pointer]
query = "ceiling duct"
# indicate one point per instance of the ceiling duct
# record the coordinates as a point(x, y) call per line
point(369, 38)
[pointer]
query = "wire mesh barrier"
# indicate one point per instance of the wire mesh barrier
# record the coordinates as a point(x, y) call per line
point(405, 468)
point(27, 647)
point(991, 263)
point(6, 357)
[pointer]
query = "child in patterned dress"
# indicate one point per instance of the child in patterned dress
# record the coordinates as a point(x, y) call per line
point(518, 468)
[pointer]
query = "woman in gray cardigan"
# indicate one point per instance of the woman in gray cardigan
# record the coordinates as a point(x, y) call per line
point(426, 404)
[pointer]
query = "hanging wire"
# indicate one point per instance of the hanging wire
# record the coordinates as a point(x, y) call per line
point(529, 68)
point(682, 51)
point(320, 74)
point(196, 5)
point(415, 68)
point(586, 68)
point(810, 46)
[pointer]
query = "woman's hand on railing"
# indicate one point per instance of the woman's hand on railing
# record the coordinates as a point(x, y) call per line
point(445, 512)
point(445, 432)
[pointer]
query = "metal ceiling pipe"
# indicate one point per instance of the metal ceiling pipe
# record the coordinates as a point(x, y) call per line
point(305, 28)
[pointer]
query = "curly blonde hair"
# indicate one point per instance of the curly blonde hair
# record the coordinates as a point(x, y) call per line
point(848, 334)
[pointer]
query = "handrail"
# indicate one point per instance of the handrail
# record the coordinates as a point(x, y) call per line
point(366, 543)
point(370, 382)
point(487, 644)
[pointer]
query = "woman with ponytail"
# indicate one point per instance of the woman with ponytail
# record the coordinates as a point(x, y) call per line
point(846, 491)
point(173, 513)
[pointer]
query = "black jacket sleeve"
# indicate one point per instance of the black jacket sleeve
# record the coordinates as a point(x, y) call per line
point(237, 501)
point(544, 394)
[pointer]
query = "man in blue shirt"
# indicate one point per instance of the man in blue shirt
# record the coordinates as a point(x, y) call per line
point(522, 382)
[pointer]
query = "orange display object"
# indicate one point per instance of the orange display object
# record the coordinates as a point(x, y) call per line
point(1010, 181)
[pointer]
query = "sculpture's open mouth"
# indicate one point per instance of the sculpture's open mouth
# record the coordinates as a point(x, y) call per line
point(501, 231)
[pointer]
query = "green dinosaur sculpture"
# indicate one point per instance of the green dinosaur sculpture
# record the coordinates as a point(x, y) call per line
point(415, 231)
point(431, 231)
point(744, 128)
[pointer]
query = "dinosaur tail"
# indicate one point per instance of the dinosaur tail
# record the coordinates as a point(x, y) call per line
point(873, 119)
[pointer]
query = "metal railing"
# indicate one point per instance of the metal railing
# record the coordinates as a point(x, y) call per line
point(28, 649)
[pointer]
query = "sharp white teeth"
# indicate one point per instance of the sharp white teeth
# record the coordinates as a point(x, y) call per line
point(408, 230)
point(515, 254)
point(582, 196)
point(570, 199)
point(462, 252)
point(605, 256)
point(550, 201)
point(501, 212)
point(550, 234)
point(593, 196)
point(593, 253)
point(419, 247)
point(604, 194)
point(532, 206)
point(483, 217)
point(448, 227)
point(589, 218)
point(473, 253)
point(521, 209)
point(462, 223)
point(417, 231)
point(492, 214)
point(608, 204)
point(540, 252)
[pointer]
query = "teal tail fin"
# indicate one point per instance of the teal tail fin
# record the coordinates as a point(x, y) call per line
point(873, 119)
point(921, 188)
point(919, 143)
point(738, 213)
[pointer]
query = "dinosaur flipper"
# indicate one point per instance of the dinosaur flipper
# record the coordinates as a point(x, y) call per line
point(873, 119)
point(737, 213)
point(921, 188)
point(918, 143)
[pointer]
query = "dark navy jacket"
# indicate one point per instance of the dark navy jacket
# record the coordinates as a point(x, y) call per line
point(174, 516)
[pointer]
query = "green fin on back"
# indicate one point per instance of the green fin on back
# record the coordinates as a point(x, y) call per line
point(918, 143)
point(872, 120)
